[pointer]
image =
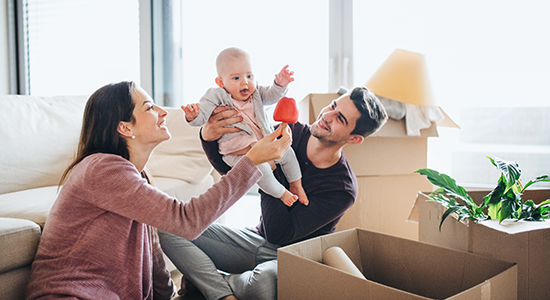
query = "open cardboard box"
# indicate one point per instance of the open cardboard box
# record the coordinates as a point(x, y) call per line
point(395, 268)
point(525, 243)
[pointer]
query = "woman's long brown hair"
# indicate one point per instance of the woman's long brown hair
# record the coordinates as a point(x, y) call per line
point(105, 109)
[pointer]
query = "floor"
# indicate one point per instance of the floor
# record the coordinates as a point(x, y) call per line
point(244, 213)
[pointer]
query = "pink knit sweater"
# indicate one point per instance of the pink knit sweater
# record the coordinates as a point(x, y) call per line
point(96, 244)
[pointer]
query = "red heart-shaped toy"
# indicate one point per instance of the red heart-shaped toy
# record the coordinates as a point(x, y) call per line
point(286, 111)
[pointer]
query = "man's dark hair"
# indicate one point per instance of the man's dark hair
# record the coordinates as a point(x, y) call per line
point(373, 114)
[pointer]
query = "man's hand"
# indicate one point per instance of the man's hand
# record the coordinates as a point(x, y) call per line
point(191, 111)
point(284, 77)
point(215, 128)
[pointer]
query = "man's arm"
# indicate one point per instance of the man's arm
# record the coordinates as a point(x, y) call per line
point(211, 150)
point(214, 129)
point(283, 225)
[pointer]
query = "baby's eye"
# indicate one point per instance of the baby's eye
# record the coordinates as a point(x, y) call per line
point(235, 78)
point(249, 76)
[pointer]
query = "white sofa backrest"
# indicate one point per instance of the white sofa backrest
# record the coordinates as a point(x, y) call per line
point(38, 139)
point(182, 156)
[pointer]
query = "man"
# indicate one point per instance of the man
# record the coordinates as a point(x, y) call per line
point(250, 255)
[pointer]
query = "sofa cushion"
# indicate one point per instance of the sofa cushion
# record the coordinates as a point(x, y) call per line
point(182, 156)
point(14, 283)
point(39, 136)
point(18, 243)
point(32, 204)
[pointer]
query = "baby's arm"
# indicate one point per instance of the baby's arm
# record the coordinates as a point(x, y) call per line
point(213, 98)
point(284, 77)
point(191, 111)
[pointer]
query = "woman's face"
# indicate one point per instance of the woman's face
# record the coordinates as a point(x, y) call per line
point(150, 120)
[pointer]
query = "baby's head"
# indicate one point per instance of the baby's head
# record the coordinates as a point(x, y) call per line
point(235, 73)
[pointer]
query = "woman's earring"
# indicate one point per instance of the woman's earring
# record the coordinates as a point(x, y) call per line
point(133, 136)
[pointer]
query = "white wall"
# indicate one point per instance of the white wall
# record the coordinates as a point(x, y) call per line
point(4, 62)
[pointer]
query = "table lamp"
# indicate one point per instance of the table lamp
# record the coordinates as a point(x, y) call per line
point(403, 77)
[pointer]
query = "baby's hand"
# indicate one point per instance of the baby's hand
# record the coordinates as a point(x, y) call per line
point(284, 77)
point(191, 111)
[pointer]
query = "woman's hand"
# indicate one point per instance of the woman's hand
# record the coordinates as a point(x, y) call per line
point(270, 148)
point(215, 127)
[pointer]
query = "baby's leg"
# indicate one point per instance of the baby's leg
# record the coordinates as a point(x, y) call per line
point(291, 169)
point(270, 185)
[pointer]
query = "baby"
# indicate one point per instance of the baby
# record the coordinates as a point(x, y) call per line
point(238, 90)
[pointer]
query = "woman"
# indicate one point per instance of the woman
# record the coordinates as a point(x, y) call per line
point(97, 243)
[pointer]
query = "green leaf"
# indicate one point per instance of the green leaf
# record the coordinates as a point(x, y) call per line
point(510, 203)
point(492, 200)
point(447, 213)
point(496, 194)
point(538, 179)
point(444, 181)
point(510, 170)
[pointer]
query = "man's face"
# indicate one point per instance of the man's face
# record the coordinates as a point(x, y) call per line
point(336, 121)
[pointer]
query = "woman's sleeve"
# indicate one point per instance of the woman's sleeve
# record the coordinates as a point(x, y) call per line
point(119, 188)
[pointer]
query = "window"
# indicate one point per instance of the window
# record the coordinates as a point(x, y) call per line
point(274, 33)
point(489, 67)
point(76, 46)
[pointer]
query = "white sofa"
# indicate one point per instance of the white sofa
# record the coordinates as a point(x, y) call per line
point(38, 140)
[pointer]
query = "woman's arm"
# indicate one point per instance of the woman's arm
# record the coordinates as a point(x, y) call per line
point(115, 185)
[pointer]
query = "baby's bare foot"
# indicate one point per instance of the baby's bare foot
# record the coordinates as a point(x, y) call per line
point(296, 188)
point(288, 198)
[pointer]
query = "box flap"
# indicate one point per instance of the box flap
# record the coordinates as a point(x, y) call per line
point(414, 214)
point(514, 227)
point(447, 121)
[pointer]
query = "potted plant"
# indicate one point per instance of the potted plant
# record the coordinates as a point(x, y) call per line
point(505, 201)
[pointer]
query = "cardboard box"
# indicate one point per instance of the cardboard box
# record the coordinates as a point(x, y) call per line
point(395, 268)
point(525, 243)
point(384, 204)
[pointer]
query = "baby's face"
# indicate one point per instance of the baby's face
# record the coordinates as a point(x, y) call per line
point(238, 79)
